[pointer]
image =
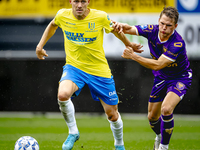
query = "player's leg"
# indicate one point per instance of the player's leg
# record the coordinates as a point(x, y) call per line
point(103, 90)
point(154, 108)
point(167, 120)
point(65, 91)
point(154, 112)
point(70, 85)
point(116, 124)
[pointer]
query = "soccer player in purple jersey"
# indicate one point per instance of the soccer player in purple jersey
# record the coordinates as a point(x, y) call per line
point(171, 69)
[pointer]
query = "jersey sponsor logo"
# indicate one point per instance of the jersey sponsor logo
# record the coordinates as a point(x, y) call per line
point(112, 93)
point(79, 37)
point(170, 53)
point(70, 23)
point(180, 85)
point(91, 25)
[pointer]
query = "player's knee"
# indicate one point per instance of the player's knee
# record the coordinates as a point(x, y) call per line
point(63, 96)
point(153, 117)
point(166, 110)
point(112, 116)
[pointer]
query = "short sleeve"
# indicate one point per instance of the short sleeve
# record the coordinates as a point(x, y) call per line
point(57, 17)
point(108, 24)
point(174, 50)
point(145, 30)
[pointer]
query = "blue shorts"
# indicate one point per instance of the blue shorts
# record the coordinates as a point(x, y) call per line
point(100, 87)
point(162, 87)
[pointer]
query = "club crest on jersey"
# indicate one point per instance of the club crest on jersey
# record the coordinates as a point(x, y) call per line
point(164, 49)
point(91, 25)
point(180, 85)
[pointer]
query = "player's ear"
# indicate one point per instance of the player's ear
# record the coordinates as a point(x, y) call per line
point(176, 25)
point(70, 1)
point(88, 1)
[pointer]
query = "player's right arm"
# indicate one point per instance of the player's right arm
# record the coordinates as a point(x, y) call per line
point(48, 33)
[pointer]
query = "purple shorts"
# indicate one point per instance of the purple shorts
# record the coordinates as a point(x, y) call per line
point(162, 87)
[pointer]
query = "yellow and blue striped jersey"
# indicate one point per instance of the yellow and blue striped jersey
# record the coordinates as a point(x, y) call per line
point(84, 40)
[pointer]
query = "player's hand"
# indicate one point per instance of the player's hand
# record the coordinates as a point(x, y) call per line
point(128, 53)
point(136, 47)
point(41, 53)
point(118, 27)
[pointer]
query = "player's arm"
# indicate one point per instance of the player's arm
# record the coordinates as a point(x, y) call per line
point(135, 47)
point(120, 35)
point(124, 27)
point(161, 63)
point(48, 33)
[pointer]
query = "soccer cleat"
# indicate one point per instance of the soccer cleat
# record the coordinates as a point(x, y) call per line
point(69, 143)
point(119, 147)
point(157, 142)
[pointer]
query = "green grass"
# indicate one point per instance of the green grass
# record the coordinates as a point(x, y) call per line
point(95, 133)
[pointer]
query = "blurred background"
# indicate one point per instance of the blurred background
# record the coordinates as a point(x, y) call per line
point(29, 84)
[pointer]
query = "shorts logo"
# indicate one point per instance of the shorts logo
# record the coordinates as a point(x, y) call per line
point(112, 93)
point(159, 83)
point(180, 85)
point(113, 99)
point(64, 74)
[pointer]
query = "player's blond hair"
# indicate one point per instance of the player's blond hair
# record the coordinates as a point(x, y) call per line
point(170, 12)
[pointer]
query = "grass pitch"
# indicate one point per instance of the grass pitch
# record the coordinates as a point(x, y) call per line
point(95, 133)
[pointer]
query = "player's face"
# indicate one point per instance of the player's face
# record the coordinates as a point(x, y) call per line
point(166, 27)
point(80, 8)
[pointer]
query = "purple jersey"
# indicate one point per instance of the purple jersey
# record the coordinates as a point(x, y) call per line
point(173, 48)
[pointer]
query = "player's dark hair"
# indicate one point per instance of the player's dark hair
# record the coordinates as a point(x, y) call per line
point(170, 12)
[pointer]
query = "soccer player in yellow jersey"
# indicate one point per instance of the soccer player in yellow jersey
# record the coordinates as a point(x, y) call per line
point(83, 30)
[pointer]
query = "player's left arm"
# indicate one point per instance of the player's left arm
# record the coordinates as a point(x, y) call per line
point(108, 25)
point(162, 62)
point(135, 47)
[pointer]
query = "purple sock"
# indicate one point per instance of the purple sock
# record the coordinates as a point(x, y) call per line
point(167, 125)
point(155, 125)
